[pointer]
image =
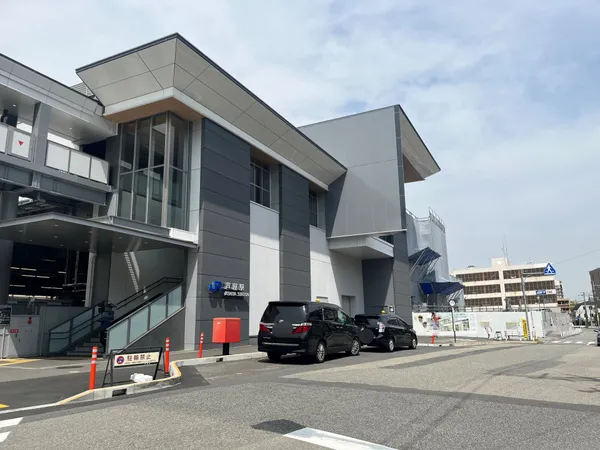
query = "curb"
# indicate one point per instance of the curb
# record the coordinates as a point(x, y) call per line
point(174, 379)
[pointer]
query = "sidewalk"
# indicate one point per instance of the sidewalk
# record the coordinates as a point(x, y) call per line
point(30, 382)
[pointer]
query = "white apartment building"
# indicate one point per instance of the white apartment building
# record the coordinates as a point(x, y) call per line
point(498, 287)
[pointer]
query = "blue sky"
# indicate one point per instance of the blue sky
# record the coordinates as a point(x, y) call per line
point(505, 95)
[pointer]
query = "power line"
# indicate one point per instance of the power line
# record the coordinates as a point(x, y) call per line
point(578, 256)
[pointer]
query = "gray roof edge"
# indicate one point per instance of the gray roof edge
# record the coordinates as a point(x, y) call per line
point(220, 69)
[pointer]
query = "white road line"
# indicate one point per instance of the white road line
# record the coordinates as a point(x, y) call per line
point(333, 441)
point(568, 342)
point(10, 422)
point(579, 342)
point(555, 342)
point(590, 343)
point(3, 436)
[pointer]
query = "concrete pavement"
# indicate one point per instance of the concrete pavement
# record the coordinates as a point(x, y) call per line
point(489, 396)
point(29, 382)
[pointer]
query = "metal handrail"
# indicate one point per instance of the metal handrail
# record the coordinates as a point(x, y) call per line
point(96, 316)
point(145, 290)
point(127, 319)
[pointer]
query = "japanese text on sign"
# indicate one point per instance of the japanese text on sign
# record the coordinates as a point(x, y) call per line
point(134, 359)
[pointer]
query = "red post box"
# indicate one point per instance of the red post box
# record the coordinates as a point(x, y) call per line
point(227, 330)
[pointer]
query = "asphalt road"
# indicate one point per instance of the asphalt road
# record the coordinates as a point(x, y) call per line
point(494, 396)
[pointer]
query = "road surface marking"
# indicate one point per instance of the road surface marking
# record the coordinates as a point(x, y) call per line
point(579, 342)
point(590, 343)
point(10, 422)
point(567, 342)
point(555, 342)
point(3, 436)
point(12, 362)
point(2, 405)
point(333, 441)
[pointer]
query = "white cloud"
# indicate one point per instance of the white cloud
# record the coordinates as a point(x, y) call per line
point(503, 93)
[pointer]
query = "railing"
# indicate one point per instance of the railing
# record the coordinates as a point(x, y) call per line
point(89, 321)
point(15, 142)
point(138, 323)
point(137, 299)
point(74, 329)
point(76, 162)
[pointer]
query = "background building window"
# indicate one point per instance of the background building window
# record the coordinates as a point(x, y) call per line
point(147, 173)
point(260, 191)
point(313, 208)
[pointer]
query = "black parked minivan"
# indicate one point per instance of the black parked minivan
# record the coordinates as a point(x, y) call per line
point(386, 331)
point(307, 328)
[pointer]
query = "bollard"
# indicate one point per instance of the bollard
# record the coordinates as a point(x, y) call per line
point(433, 338)
point(201, 348)
point(93, 368)
point(167, 350)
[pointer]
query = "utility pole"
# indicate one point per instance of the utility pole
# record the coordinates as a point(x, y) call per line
point(595, 294)
point(585, 310)
point(525, 302)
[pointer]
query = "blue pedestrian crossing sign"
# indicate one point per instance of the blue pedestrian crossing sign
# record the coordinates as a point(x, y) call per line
point(549, 270)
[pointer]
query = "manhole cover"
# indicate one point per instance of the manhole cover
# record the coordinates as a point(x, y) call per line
point(69, 367)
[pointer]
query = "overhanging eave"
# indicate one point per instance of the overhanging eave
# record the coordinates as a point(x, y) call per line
point(361, 247)
point(73, 233)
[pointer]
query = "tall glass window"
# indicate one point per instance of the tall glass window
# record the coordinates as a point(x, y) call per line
point(260, 191)
point(153, 170)
point(313, 208)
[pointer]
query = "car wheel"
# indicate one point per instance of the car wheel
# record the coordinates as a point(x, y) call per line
point(274, 356)
point(413, 343)
point(355, 349)
point(321, 352)
point(390, 345)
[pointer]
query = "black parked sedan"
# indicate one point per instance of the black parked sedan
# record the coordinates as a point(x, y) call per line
point(307, 328)
point(386, 331)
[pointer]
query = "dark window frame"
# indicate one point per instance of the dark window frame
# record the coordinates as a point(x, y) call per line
point(260, 183)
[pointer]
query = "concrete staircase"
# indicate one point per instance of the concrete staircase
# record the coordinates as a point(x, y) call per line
point(85, 349)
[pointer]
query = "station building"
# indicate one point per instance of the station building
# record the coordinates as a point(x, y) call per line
point(164, 187)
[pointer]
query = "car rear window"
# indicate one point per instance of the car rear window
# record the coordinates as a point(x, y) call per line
point(367, 320)
point(288, 313)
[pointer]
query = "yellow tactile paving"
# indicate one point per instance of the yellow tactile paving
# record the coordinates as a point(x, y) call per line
point(2, 405)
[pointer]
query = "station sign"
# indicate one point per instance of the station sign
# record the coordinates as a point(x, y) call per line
point(228, 289)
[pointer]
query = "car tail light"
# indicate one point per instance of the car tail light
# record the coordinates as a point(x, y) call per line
point(264, 327)
point(302, 328)
point(381, 327)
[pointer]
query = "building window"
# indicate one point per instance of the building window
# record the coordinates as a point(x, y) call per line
point(153, 162)
point(260, 191)
point(313, 208)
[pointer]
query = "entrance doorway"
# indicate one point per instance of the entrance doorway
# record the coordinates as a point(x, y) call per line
point(348, 304)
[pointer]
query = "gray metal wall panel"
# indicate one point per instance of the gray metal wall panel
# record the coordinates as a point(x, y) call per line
point(172, 328)
point(292, 260)
point(15, 175)
point(401, 272)
point(224, 224)
point(224, 205)
point(294, 235)
point(218, 244)
point(223, 184)
point(367, 198)
point(377, 284)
